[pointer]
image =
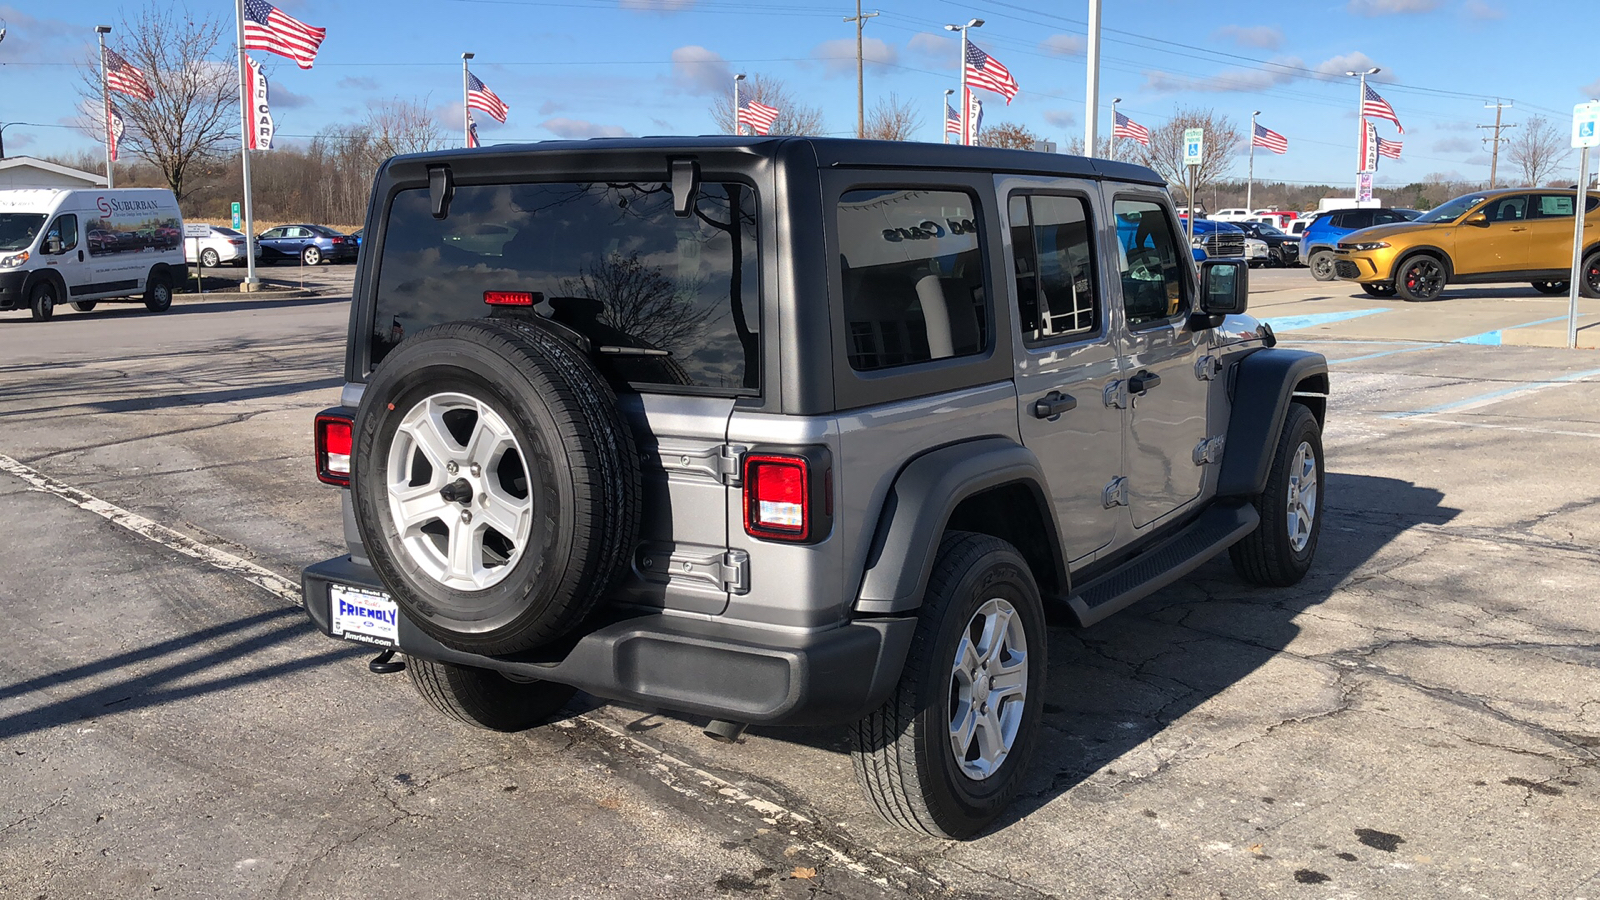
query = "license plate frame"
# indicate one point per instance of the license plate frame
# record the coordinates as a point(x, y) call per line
point(363, 615)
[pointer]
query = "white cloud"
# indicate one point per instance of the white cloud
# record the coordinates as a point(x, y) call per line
point(1064, 45)
point(661, 6)
point(839, 56)
point(1483, 12)
point(351, 82)
point(1264, 37)
point(1061, 118)
point(578, 128)
point(1371, 8)
point(1289, 69)
point(701, 71)
point(1455, 145)
point(1333, 68)
point(940, 51)
point(282, 97)
point(1592, 89)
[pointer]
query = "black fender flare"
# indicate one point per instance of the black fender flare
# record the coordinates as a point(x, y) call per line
point(1264, 384)
point(919, 505)
point(39, 275)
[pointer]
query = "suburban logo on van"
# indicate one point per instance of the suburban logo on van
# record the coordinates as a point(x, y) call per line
point(111, 205)
point(929, 230)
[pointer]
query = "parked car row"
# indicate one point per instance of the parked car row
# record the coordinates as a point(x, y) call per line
point(307, 244)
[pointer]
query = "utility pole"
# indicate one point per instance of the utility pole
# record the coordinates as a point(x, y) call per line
point(1494, 154)
point(861, 90)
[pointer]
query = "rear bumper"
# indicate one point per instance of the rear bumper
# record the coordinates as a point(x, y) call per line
point(716, 669)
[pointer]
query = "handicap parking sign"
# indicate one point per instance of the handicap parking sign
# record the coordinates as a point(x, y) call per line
point(1584, 119)
point(1193, 145)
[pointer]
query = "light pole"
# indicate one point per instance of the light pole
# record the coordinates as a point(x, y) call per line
point(1250, 180)
point(1361, 119)
point(100, 32)
point(861, 91)
point(3, 135)
point(944, 112)
point(1114, 102)
point(737, 129)
point(466, 101)
point(1091, 118)
point(966, 138)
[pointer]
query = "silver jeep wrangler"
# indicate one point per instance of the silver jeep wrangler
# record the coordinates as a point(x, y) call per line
point(795, 431)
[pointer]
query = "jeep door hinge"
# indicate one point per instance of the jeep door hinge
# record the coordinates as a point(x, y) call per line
point(730, 464)
point(1207, 368)
point(736, 572)
point(1115, 494)
point(1208, 450)
point(1116, 395)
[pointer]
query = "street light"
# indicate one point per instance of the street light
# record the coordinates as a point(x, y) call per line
point(1113, 141)
point(944, 113)
point(974, 23)
point(3, 133)
point(737, 126)
point(100, 32)
point(1361, 120)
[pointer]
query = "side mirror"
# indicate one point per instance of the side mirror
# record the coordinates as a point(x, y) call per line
point(1198, 253)
point(1478, 219)
point(52, 245)
point(1225, 287)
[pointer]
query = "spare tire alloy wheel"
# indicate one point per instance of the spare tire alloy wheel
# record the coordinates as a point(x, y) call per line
point(495, 484)
point(1422, 278)
point(461, 506)
point(42, 301)
point(1322, 265)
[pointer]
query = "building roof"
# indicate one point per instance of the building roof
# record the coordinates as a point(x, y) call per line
point(89, 179)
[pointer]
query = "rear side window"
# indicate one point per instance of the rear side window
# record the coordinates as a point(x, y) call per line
point(912, 270)
point(609, 260)
point(1055, 267)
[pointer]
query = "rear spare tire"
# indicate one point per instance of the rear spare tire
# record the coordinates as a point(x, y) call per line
point(496, 485)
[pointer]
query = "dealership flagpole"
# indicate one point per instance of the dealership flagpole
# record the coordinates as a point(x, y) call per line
point(250, 279)
point(466, 101)
point(1250, 180)
point(100, 32)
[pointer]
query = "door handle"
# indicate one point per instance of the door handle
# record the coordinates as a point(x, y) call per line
point(1053, 404)
point(80, 256)
point(1143, 382)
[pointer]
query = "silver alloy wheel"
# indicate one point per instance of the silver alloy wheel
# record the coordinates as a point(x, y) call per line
point(459, 491)
point(988, 689)
point(311, 256)
point(1302, 496)
point(209, 258)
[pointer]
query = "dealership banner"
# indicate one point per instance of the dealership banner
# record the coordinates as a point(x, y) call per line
point(260, 116)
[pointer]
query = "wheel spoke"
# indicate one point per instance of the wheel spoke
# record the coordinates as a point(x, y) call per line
point(994, 633)
point(991, 738)
point(1012, 678)
point(427, 431)
point(505, 513)
point(489, 439)
point(465, 551)
point(418, 506)
point(961, 729)
point(966, 660)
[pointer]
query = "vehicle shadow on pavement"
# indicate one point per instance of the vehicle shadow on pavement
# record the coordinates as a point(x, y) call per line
point(167, 672)
point(182, 305)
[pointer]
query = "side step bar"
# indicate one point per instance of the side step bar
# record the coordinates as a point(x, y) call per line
point(1164, 563)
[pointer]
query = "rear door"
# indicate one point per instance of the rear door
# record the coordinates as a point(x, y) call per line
point(1067, 361)
point(1550, 231)
point(1162, 385)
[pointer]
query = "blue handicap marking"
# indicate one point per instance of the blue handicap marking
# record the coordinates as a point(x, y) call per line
point(1302, 323)
point(1586, 129)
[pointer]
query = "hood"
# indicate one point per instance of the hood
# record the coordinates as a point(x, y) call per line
point(1380, 232)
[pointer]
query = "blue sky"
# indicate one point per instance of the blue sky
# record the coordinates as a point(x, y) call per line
point(578, 68)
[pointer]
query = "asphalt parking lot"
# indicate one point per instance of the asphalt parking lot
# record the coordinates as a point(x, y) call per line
point(1419, 718)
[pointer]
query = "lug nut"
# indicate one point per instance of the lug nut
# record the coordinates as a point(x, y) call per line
point(451, 467)
point(476, 470)
point(466, 516)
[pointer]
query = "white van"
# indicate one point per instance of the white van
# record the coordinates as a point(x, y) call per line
point(86, 246)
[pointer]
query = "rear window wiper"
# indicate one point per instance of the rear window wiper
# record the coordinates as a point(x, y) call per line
point(611, 350)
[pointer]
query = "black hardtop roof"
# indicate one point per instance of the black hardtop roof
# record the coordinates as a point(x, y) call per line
point(829, 153)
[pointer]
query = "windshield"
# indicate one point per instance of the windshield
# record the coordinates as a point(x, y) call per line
point(17, 230)
point(1449, 212)
point(1264, 228)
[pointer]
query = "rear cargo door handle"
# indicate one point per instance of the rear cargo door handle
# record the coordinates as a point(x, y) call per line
point(1143, 382)
point(1053, 404)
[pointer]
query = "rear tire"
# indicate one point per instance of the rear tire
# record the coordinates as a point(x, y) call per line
point(42, 301)
point(158, 293)
point(1280, 551)
point(1379, 290)
point(485, 698)
point(1552, 287)
point(905, 752)
point(1590, 286)
point(1321, 263)
point(1421, 279)
point(209, 258)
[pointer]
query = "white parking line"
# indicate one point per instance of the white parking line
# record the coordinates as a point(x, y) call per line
point(266, 579)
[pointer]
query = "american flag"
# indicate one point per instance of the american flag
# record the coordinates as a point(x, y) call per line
point(758, 116)
point(1124, 127)
point(269, 28)
point(952, 119)
point(984, 71)
point(480, 97)
point(472, 131)
point(1390, 149)
point(120, 76)
point(1379, 108)
point(1271, 140)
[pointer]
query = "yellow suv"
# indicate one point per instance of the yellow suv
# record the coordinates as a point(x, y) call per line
point(1522, 234)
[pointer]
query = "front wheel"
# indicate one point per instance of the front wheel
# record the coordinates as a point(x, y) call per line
point(42, 301)
point(311, 256)
point(1379, 290)
point(1321, 263)
point(948, 750)
point(1279, 552)
point(1421, 278)
point(485, 698)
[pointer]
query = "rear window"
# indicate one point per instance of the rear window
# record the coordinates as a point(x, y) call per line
point(609, 260)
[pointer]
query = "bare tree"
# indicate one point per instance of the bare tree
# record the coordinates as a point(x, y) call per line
point(1009, 135)
point(640, 301)
point(193, 122)
point(1165, 153)
point(893, 120)
point(1538, 150)
point(404, 126)
point(1075, 148)
point(793, 118)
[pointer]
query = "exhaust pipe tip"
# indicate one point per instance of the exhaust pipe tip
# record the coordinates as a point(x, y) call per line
point(724, 732)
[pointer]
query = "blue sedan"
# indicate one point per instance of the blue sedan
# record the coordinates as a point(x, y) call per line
point(310, 244)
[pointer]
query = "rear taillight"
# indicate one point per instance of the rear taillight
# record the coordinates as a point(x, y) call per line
point(334, 439)
point(785, 496)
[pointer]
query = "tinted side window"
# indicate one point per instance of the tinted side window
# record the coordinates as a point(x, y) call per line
point(912, 270)
point(1055, 280)
point(65, 230)
point(610, 261)
point(1153, 277)
point(1385, 217)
